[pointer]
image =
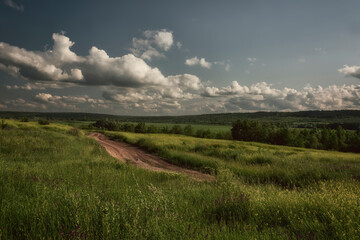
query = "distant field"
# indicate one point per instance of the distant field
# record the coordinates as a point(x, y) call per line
point(56, 183)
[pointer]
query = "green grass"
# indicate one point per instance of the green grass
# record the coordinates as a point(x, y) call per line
point(57, 185)
point(251, 162)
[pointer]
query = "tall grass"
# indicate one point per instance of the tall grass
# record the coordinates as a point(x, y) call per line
point(58, 185)
point(253, 163)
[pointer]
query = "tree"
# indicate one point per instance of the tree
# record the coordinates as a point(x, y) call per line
point(43, 121)
point(140, 128)
point(188, 130)
point(177, 129)
point(152, 129)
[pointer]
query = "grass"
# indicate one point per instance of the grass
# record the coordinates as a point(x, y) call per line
point(251, 162)
point(58, 185)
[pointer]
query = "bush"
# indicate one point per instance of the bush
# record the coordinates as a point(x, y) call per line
point(24, 119)
point(43, 121)
point(3, 124)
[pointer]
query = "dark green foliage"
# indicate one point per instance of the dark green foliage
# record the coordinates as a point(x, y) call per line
point(140, 128)
point(24, 119)
point(3, 124)
point(43, 121)
point(152, 129)
point(201, 133)
point(327, 139)
point(177, 129)
point(188, 130)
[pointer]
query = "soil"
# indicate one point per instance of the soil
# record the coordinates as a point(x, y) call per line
point(138, 157)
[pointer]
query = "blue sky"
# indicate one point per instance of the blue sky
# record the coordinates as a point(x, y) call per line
point(179, 57)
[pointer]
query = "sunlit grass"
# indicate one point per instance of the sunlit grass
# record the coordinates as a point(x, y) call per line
point(57, 185)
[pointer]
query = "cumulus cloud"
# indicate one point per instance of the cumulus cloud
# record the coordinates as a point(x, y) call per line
point(153, 44)
point(186, 81)
point(60, 66)
point(196, 61)
point(40, 66)
point(353, 71)
point(14, 5)
point(262, 96)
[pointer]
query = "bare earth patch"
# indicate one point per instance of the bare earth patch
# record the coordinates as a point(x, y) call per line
point(126, 152)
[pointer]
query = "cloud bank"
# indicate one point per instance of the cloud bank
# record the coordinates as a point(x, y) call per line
point(130, 85)
point(262, 96)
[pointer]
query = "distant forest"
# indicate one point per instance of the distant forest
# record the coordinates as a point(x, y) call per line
point(250, 130)
point(347, 119)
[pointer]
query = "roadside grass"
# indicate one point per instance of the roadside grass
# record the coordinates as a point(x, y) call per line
point(57, 185)
point(253, 163)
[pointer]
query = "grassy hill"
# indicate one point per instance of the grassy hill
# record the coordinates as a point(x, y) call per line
point(56, 183)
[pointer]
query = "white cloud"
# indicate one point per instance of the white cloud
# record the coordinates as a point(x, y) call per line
point(61, 67)
point(196, 61)
point(262, 96)
point(301, 60)
point(27, 86)
point(12, 4)
point(37, 66)
point(163, 39)
point(154, 43)
point(2, 106)
point(251, 59)
point(65, 102)
point(186, 81)
point(353, 71)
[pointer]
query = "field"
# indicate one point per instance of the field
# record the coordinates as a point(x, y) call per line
point(57, 183)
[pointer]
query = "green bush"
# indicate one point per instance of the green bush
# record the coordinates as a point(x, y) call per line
point(43, 121)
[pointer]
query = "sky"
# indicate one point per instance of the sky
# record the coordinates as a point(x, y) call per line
point(179, 57)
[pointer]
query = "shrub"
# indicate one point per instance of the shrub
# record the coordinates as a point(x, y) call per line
point(43, 121)
point(3, 124)
point(24, 119)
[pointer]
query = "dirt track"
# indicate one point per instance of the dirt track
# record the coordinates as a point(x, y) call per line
point(126, 152)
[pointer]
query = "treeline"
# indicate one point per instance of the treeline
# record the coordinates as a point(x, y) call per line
point(348, 119)
point(324, 138)
point(250, 130)
point(188, 130)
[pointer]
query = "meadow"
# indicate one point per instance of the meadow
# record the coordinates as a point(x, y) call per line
point(56, 183)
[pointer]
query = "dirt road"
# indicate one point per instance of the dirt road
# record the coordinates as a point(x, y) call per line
point(126, 152)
